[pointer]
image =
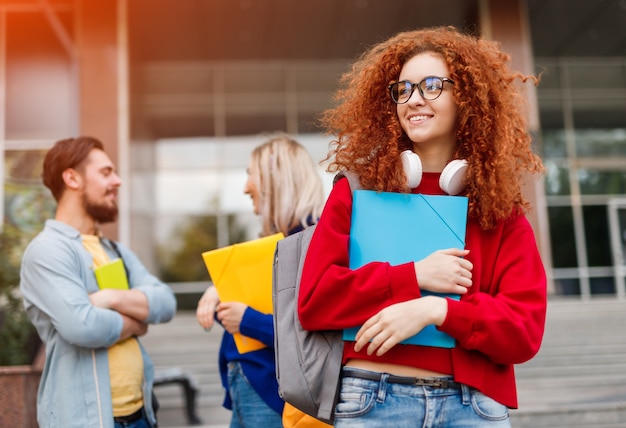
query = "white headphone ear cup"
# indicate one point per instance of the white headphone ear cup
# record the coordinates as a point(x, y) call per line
point(412, 168)
point(453, 177)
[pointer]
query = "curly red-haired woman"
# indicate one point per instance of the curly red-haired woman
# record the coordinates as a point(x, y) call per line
point(444, 96)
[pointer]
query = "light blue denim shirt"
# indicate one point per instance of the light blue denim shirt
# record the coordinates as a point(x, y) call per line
point(56, 280)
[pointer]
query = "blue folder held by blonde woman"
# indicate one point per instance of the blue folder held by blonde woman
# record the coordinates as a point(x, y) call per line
point(243, 273)
point(399, 228)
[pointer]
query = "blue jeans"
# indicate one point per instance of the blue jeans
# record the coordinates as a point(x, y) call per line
point(373, 404)
point(249, 409)
point(139, 423)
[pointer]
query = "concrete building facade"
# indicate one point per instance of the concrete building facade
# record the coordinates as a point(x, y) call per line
point(181, 91)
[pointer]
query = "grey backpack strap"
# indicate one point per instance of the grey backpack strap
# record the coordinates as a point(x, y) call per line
point(308, 363)
point(353, 179)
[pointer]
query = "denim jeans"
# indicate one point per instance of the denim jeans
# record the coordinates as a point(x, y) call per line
point(373, 404)
point(249, 409)
point(139, 423)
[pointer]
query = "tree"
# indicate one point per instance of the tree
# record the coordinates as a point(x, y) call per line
point(17, 335)
point(184, 263)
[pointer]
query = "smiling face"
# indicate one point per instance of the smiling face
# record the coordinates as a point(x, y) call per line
point(429, 124)
point(99, 187)
point(251, 188)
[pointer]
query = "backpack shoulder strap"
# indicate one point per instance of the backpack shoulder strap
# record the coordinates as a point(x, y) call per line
point(115, 248)
point(353, 179)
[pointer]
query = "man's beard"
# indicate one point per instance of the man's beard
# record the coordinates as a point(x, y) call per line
point(100, 213)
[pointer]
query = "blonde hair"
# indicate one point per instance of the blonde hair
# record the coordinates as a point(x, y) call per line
point(290, 187)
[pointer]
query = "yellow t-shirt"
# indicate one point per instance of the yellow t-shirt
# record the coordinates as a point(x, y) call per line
point(125, 360)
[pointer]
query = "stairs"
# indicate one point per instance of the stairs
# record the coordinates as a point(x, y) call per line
point(183, 344)
point(577, 380)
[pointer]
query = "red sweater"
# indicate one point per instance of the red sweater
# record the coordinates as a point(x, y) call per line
point(497, 324)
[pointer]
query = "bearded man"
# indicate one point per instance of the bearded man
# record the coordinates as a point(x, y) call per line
point(96, 372)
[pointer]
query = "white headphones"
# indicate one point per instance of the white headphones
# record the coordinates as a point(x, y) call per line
point(451, 181)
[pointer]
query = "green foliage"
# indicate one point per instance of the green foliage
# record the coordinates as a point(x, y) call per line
point(9, 262)
point(184, 263)
point(17, 335)
point(27, 205)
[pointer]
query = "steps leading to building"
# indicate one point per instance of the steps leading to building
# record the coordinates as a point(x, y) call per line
point(578, 378)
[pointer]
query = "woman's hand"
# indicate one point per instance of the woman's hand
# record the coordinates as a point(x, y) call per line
point(230, 315)
point(205, 312)
point(398, 322)
point(445, 271)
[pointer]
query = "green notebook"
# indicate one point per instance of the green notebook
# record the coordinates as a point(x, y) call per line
point(112, 275)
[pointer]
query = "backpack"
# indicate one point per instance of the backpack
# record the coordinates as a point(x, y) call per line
point(308, 363)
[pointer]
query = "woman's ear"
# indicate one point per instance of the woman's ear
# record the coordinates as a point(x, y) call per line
point(71, 178)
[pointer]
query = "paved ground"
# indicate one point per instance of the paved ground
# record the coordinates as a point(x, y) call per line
point(578, 379)
point(182, 343)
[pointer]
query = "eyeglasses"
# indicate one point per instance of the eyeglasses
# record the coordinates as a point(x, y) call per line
point(429, 88)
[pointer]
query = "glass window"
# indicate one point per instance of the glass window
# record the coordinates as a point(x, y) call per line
point(549, 74)
point(310, 106)
point(599, 113)
point(254, 79)
point(179, 79)
point(28, 203)
point(308, 123)
point(320, 79)
point(255, 123)
point(190, 125)
point(621, 231)
point(557, 178)
point(595, 218)
point(567, 287)
point(193, 235)
point(596, 76)
point(187, 197)
point(553, 143)
point(562, 237)
point(594, 182)
point(602, 286)
point(601, 142)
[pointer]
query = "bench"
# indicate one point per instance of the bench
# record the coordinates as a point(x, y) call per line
point(175, 375)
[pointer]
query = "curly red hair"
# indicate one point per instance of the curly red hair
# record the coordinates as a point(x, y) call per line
point(491, 122)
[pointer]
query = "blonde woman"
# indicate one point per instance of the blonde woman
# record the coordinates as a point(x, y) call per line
point(287, 193)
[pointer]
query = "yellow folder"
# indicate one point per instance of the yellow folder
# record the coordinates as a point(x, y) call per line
point(112, 275)
point(243, 273)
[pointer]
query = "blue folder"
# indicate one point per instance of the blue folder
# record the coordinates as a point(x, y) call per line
point(400, 228)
